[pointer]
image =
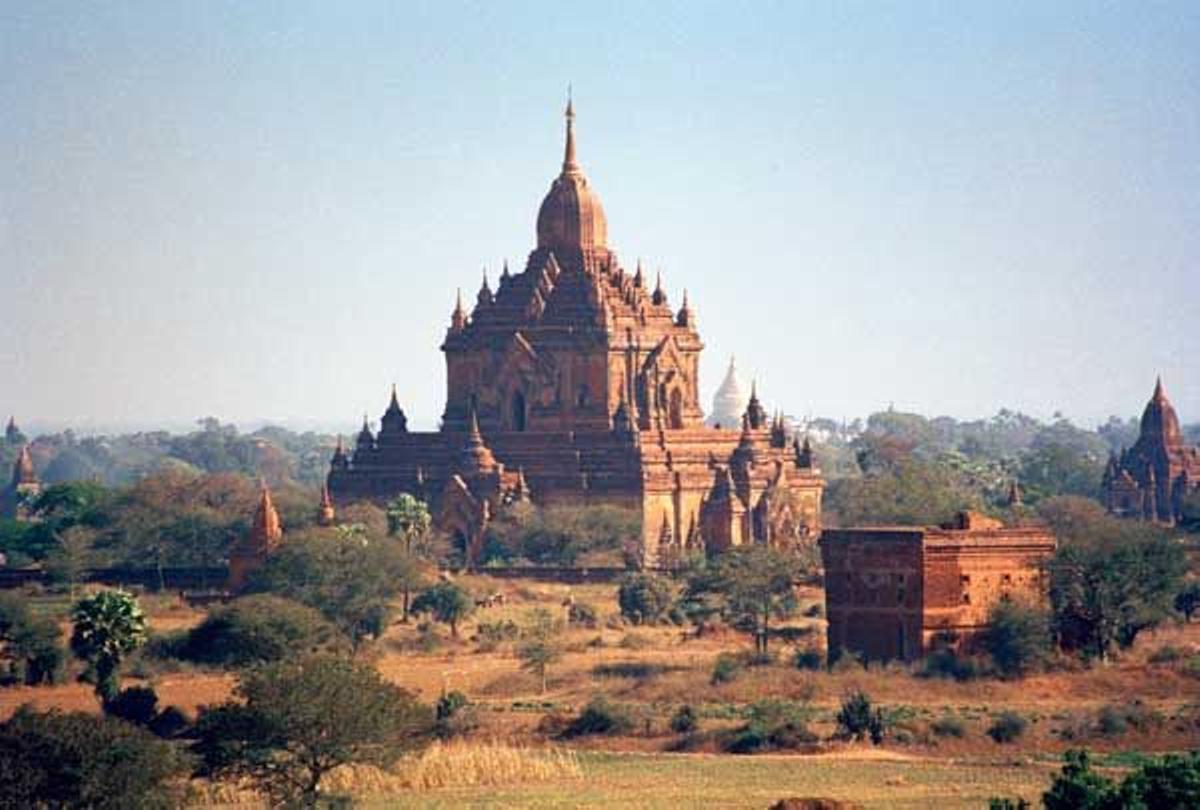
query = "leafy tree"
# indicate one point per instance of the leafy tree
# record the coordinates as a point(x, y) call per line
point(1078, 787)
point(296, 720)
point(565, 535)
point(1061, 469)
point(541, 647)
point(645, 598)
point(72, 556)
point(30, 643)
point(107, 627)
point(751, 585)
point(906, 491)
point(447, 602)
point(350, 575)
point(1018, 638)
point(1107, 590)
point(54, 759)
point(258, 629)
point(408, 520)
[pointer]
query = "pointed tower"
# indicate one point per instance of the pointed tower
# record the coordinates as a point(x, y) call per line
point(476, 458)
point(686, 316)
point(12, 433)
point(366, 439)
point(251, 551)
point(339, 461)
point(729, 403)
point(571, 221)
point(658, 297)
point(756, 414)
point(485, 298)
point(458, 318)
point(393, 422)
point(325, 513)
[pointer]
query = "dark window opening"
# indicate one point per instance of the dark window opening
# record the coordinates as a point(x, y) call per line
point(519, 411)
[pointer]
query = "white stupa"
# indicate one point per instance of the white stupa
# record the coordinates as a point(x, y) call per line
point(729, 403)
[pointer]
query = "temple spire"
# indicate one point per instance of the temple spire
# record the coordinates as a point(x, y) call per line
point(458, 318)
point(570, 162)
point(1158, 388)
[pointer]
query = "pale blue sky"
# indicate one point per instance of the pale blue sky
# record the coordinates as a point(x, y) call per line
point(261, 210)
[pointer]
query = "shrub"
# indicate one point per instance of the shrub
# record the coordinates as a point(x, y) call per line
point(726, 669)
point(810, 659)
point(454, 716)
point(1115, 720)
point(134, 704)
point(685, 720)
point(948, 725)
point(645, 598)
point(1166, 654)
point(1170, 782)
point(843, 660)
point(1018, 638)
point(30, 643)
point(600, 716)
point(638, 670)
point(582, 614)
point(258, 629)
point(491, 635)
point(1187, 601)
point(1007, 727)
point(772, 725)
point(857, 719)
point(54, 759)
point(949, 664)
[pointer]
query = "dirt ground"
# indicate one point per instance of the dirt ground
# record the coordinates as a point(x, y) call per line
point(1061, 707)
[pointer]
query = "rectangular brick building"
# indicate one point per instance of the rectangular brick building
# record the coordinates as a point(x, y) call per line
point(897, 592)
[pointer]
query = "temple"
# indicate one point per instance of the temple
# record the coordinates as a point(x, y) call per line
point(1151, 479)
point(23, 487)
point(251, 550)
point(575, 381)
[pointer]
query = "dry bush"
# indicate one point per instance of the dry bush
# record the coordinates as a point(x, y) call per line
point(469, 764)
point(456, 764)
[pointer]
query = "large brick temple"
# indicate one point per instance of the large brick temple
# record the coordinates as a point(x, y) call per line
point(1151, 479)
point(575, 382)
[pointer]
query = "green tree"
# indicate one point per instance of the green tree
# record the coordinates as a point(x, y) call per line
point(752, 585)
point(449, 604)
point(351, 575)
point(71, 556)
point(107, 627)
point(296, 720)
point(645, 598)
point(1018, 638)
point(81, 760)
point(1104, 594)
point(259, 629)
point(408, 520)
point(30, 643)
point(542, 646)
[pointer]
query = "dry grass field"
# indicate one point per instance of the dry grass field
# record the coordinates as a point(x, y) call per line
point(655, 670)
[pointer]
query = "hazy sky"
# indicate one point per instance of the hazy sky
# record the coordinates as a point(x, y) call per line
point(261, 210)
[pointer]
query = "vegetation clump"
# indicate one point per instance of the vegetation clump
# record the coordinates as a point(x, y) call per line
point(296, 720)
point(645, 598)
point(56, 759)
point(258, 629)
point(1007, 727)
point(772, 725)
point(31, 652)
point(600, 716)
